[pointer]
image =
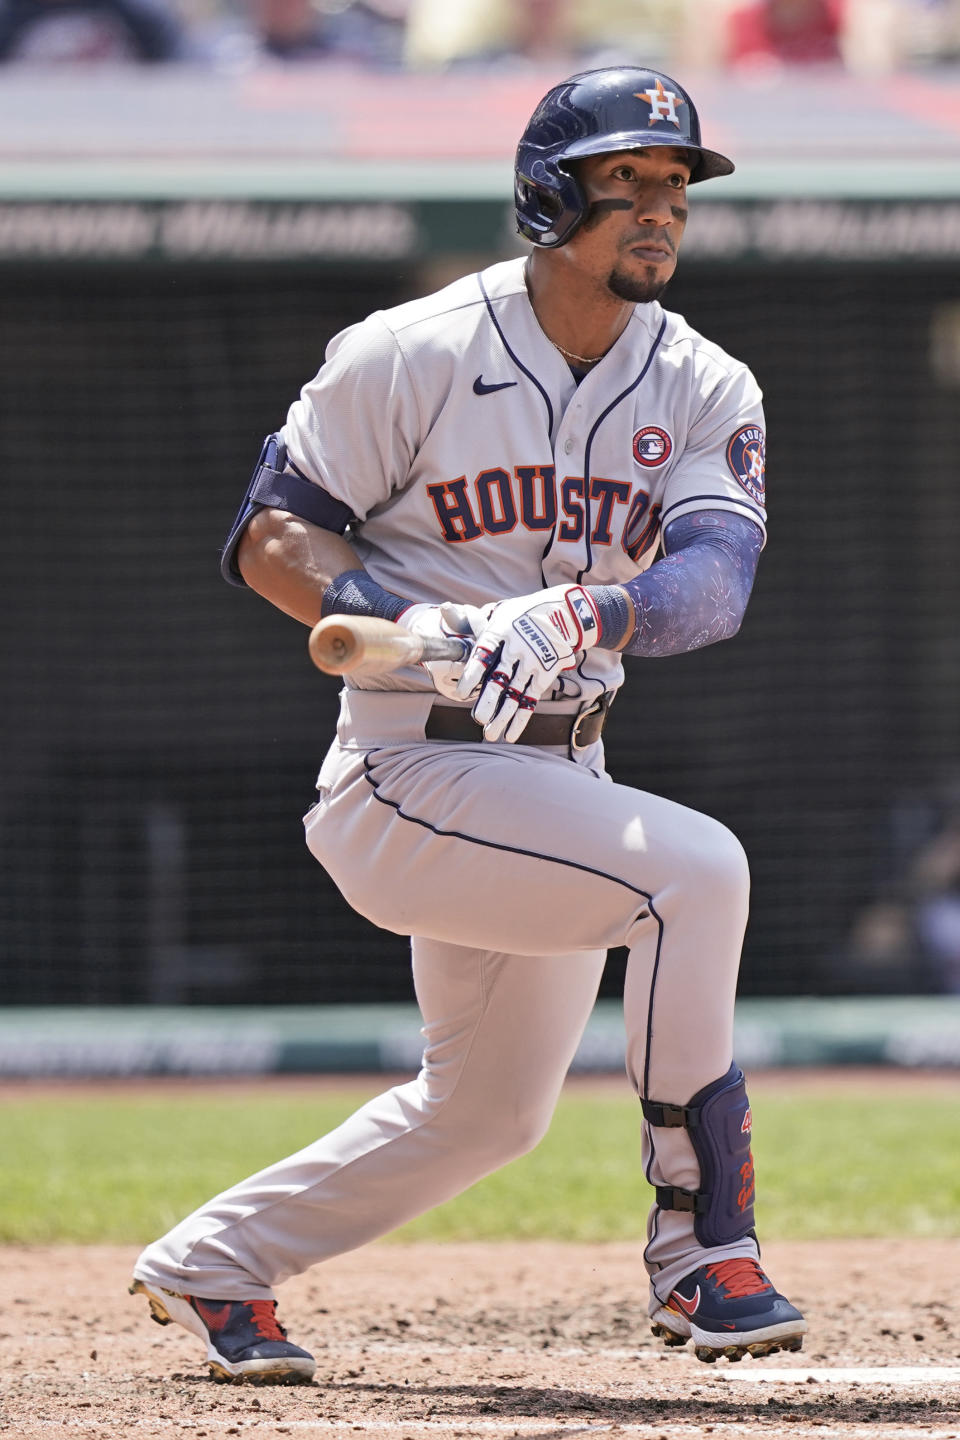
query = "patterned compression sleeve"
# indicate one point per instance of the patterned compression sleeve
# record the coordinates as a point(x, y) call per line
point(698, 592)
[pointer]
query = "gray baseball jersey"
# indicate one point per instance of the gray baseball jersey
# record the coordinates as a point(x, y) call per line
point(479, 469)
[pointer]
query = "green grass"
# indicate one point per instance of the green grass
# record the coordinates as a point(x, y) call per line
point(123, 1170)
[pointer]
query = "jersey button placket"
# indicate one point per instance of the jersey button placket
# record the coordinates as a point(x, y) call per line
point(574, 553)
point(569, 444)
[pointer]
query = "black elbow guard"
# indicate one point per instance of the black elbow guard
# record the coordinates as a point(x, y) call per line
point(272, 485)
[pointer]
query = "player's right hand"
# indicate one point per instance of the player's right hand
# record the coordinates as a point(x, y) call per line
point(431, 621)
point(522, 647)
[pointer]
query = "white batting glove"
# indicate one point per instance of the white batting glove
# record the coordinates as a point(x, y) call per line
point(521, 649)
point(431, 621)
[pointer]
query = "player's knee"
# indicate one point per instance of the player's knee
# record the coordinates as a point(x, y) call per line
point(504, 1129)
point(730, 863)
point(713, 869)
point(727, 869)
point(517, 1133)
point(527, 1128)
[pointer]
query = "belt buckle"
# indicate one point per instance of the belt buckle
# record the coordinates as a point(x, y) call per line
point(596, 708)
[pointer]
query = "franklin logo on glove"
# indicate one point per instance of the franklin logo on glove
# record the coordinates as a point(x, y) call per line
point(537, 641)
point(522, 646)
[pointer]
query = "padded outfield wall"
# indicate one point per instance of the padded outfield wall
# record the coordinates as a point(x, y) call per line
point(162, 731)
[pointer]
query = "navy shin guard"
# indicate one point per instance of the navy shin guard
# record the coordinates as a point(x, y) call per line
point(718, 1122)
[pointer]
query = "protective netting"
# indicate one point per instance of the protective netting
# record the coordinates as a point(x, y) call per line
point(162, 731)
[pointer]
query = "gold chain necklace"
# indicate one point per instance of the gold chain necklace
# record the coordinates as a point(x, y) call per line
point(569, 354)
point(584, 359)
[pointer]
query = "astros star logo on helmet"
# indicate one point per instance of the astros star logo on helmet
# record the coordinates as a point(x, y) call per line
point(663, 104)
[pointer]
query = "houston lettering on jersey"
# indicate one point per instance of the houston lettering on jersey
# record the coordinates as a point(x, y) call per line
point(498, 501)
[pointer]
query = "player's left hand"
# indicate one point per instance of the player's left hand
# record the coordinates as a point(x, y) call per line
point(521, 649)
point(435, 621)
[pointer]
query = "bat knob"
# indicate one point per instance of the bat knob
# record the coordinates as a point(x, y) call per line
point(331, 645)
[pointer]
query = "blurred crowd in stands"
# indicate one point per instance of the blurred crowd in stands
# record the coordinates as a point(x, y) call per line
point(862, 36)
point(906, 939)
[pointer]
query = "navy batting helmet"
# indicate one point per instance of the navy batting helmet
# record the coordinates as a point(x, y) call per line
point(591, 114)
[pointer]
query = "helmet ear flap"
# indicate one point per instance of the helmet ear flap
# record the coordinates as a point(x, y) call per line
point(550, 202)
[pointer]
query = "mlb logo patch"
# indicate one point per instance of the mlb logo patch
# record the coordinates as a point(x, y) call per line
point(584, 612)
point(747, 458)
point(652, 446)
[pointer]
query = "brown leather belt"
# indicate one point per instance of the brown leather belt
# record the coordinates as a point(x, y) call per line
point(448, 722)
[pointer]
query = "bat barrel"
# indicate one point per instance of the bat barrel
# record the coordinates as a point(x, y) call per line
point(361, 645)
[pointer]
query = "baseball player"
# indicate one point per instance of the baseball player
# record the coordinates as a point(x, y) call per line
point(542, 459)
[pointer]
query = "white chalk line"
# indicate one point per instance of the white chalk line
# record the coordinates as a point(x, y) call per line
point(721, 1369)
point(853, 1375)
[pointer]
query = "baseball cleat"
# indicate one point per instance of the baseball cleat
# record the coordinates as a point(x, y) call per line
point(244, 1341)
point(729, 1308)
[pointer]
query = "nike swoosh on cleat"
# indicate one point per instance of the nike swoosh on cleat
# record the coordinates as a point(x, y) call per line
point(479, 388)
point(213, 1317)
point(689, 1306)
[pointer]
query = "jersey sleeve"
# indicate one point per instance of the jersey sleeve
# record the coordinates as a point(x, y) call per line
point(355, 428)
point(722, 465)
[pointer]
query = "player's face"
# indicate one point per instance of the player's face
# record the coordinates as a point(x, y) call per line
point(638, 210)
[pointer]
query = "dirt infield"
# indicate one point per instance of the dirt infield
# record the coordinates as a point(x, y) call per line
point(533, 1341)
point(530, 1341)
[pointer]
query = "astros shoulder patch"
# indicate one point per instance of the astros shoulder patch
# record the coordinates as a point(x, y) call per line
point(747, 458)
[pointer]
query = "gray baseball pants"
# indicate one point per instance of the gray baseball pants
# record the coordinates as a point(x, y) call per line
point(513, 869)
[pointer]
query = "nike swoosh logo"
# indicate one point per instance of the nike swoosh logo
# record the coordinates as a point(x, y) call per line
point(690, 1306)
point(480, 389)
point(213, 1316)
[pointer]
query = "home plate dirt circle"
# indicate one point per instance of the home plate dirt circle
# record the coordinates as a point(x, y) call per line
point(534, 1341)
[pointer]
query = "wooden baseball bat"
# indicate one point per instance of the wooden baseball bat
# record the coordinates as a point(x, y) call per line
point(360, 645)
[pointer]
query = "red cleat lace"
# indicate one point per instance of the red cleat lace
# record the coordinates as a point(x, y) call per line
point(739, 1277)
point(265, 1320)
